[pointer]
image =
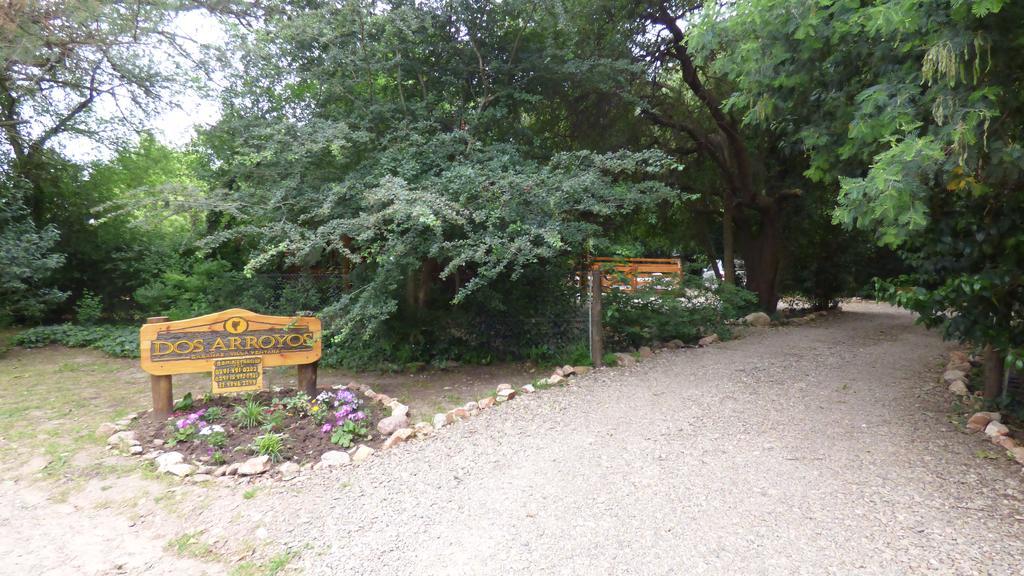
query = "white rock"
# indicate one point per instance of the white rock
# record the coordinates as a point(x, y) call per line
point(180, 469)
point(122, 440)
point(645, 352)
point(387, 426)
point(623, 359)
point(423, 429)
point(440, 420)
point(399, 409)
point(979, 420)
point(757, 319)
point(996, 429)
point(398, 437)
point(288, 470)
point(136, 450)
point(568, 370)
point(506, 394)
point(503, 387)
point(709, 340)
point(958, 388)
point(106, 430)
point(361, 453)
point(950, 376)
point(168, 459)
point(470, 406)
point(335, 458)
point(555, 379)
point(528, 389)
point(254, 466)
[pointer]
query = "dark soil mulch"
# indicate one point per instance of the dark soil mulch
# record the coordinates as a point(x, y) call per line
point(303, 442)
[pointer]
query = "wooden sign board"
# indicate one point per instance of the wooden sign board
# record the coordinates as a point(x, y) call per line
point(197, 344)
point(231, 375)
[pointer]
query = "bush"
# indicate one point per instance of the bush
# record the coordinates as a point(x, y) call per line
point(658, 313)
point(121, 341)
point(88, 309)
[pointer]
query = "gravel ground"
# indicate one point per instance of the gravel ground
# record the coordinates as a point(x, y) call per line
point(821, 449)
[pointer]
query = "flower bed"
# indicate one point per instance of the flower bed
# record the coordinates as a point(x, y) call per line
point(284, 425)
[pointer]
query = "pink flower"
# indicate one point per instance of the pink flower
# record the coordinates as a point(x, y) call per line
point(325, 428)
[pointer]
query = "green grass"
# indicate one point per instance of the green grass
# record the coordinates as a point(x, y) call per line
point(271, 567)
point(250, 493)
point(52, 400)
point(191, 545)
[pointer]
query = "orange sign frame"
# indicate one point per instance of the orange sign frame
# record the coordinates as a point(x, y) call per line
point(194, 345)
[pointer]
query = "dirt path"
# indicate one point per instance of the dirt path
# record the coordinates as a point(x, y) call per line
point(807, 450)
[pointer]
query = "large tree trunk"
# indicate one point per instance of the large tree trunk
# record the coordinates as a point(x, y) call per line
point(762, 255)
point(993, 377)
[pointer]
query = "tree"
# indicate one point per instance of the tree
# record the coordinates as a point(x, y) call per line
point(913, 110)
point(28, 262)
point(432, 150)
point(754, 176)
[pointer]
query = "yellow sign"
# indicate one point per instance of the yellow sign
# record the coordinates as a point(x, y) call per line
point(237, 375)
point(196, 344)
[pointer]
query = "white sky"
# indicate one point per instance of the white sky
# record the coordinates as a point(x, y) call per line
point(186, 109)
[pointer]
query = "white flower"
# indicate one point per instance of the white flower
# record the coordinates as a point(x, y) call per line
point(211, 429)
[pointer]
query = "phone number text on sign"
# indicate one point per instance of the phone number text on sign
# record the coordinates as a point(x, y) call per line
point(237, 375)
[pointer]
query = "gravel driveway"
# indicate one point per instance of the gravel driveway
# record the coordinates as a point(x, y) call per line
point(821, 449)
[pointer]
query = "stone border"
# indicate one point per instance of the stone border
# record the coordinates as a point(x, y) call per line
point(396, 427)
point(956, 376)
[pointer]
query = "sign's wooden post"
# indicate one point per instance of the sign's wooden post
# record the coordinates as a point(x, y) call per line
point(161, 386)
point(596, 333)
point(307, 378)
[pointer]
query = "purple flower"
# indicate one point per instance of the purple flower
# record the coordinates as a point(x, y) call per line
point(325, 428)
point(357, 416)
point(203, 424)
point(182, 424)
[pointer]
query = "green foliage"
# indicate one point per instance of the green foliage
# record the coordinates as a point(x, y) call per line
point(185, 404)
point(445, 193)
point(347, 433)
point(215, 439)
point(29, 261)
point(213, 413)
point(250, 415)
point(121, 341)
point(658, 313)
point(913, 109)
point(269, 445)
point(88, 309)
point(298, 404)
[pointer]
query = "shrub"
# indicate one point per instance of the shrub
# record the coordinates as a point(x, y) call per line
point(121, 341)
point(250, 414)
point(88, 309)
point(657, 313)
point(269, 445)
